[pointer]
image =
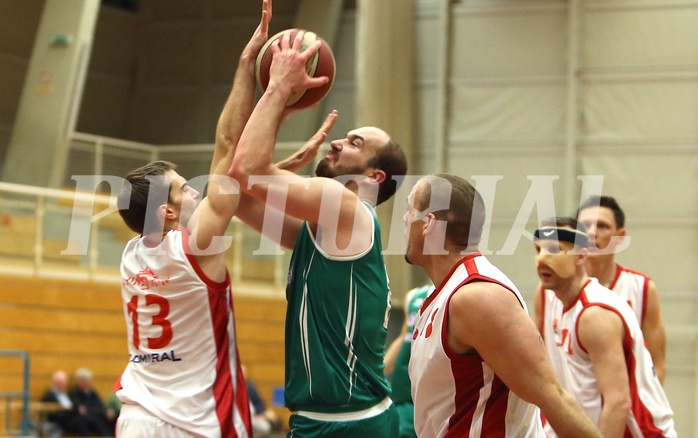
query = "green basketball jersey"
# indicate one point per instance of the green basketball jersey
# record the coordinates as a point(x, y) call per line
point(400, 379)
point(336, 326)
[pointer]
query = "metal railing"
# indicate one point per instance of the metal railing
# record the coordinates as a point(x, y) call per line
point(38, 222)
point(36, 238)
point(23, 394)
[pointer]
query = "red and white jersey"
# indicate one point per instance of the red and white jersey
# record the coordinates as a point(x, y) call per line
point(460, 396)
point(184, 366)
point(632, 287)
point(651, 415)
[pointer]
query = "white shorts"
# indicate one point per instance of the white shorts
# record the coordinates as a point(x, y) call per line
point(136, 422)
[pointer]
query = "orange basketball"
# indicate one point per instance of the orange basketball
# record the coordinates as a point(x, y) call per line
point(320, 64)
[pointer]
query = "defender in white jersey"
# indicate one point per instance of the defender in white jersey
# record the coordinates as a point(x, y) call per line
point(183, 378)
point(604, 222)
point(594, 340)
point(184, 366)
point(478, 366)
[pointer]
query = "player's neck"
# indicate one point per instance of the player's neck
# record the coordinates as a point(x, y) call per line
point(568, 291)
point(602, 268)
point(154, 238)
point(440, 266)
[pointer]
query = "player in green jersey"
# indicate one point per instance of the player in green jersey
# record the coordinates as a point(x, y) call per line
point(337, 292)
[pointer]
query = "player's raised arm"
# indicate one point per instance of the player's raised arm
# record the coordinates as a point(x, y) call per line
point(217, 209)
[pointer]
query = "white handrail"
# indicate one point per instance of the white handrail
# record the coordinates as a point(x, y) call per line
point(86, 266)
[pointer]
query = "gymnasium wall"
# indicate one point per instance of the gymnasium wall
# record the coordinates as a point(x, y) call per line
point(538, 95)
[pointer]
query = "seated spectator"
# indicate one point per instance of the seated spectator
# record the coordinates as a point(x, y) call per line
point(264, 420)
point(59, 420)
point(91, 413)
point(113, 408)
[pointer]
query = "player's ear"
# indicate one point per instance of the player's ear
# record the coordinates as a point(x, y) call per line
point(582, 254)
point(378, 175)
point(166, 212)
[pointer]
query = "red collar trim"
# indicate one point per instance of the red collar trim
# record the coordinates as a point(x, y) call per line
point(580, 295)
point(464, 261)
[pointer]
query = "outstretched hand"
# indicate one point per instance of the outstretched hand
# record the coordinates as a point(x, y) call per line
point(288, 65)
point(260, 35)
point(309, 150)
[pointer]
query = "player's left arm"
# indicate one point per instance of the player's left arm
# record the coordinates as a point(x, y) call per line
point(654, 331)
point(489, 319)
point(601, 333)
point(213, 215)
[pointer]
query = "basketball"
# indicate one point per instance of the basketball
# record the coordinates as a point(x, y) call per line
point(320, 64)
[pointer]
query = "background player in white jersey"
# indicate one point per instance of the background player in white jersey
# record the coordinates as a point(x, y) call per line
point(478, 366)
point(605, 225)
point(337, 290)
point(184, 377)
point(594, 340)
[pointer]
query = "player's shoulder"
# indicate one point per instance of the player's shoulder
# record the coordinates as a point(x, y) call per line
point(483, 296)
point(627, 270)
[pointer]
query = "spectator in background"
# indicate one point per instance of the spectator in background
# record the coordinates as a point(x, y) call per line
point(91, 418)
point(264, 420)
point(60, 420)
point(113, 407)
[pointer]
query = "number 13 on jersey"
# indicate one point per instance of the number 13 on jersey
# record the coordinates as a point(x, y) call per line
point(136, 306)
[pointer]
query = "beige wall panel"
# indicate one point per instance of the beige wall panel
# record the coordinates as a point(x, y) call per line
point(514, 186)
point(507, 41)
point(167, 118)
point(425, 163)
point(648, 184)
point(114, 48)
point(513, 113)
point(664, 253)
point(623, 37)
point(19, 21)
point(428, 29)
point(682, 378)
point(344, 49)
point(425, 130)
point(174, 55)
point(622, 111)
point(519, 266)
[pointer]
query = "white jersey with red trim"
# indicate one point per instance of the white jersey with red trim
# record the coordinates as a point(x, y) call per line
point(651, 415)
point(460, 396)
point(184, 366)
point(632, 287)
